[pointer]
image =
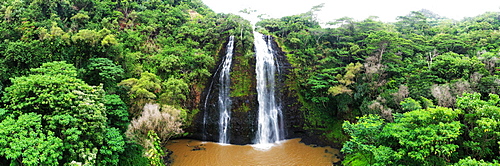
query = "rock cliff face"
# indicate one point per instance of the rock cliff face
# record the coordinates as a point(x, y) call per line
point(293, 116)
point(244, 108)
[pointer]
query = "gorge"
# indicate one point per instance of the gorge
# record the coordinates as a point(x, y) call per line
point(266, 119)
point(129, 83)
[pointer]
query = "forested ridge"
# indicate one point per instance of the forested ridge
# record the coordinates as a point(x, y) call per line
point(420, 91)
point(100, 82)
point(89, 81)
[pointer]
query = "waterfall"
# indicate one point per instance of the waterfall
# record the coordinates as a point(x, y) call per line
point(224, 100)
point(269, 116)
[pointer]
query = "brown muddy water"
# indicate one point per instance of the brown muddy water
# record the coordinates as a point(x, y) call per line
point(288, 152)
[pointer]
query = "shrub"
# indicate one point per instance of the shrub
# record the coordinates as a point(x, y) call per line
point(166, 123)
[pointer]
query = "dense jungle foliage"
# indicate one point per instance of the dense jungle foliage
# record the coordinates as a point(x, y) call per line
point(75, 76)
point(83, 81)
point(420, 91)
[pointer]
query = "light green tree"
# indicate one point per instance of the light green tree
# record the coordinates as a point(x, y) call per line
point(175, 92)
point(482, 125)
point(71, 109)
point(423, 137)
point(345, 80)
point(141, 91)
point(25, 142)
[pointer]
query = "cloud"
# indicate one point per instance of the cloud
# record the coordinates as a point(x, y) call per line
point(386, 10)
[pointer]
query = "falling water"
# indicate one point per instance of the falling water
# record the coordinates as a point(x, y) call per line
point(205, 113)
point(269, 112)
point(224, 100)
point(224, 104)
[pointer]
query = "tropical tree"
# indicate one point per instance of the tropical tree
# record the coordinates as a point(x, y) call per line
point(423, 137)
point(66, 108)
point(482, 127)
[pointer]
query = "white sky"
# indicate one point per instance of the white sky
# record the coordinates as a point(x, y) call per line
point(386, 10)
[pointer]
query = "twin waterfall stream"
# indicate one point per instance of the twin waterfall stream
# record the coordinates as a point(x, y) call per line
point(270, 116)
point(224, 100)
point(269, 148)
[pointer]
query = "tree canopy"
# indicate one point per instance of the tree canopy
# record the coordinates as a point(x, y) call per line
point(400, 87)
point(73, 74)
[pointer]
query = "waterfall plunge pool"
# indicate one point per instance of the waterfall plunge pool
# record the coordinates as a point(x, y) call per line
point(286, 152)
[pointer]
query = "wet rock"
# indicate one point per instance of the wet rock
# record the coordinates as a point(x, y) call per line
point(243, 124)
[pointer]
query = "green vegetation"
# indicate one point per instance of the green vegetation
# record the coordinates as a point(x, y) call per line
point(82, 82)
point(412, 92)
point(76, 75)
point(68, 118)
